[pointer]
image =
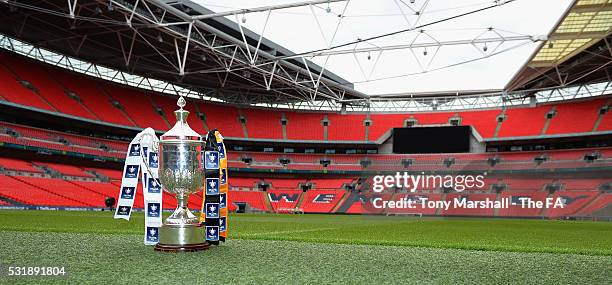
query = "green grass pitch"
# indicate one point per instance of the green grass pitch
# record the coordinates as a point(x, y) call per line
point(299, 249)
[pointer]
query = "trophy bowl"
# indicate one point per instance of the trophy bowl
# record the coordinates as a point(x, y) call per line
point(181, 175)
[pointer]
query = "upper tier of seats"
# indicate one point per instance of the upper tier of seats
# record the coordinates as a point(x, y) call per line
point(425, 162)
point(30, 136)
point(52, 89)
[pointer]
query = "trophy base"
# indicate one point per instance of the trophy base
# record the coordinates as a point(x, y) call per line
point(181, 248)
point(177, 238)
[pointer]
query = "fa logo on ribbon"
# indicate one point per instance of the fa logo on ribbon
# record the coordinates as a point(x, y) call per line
point(154, 185)
point(221, 150)
point(152, 234)
point(153, 160)
point(212, 210)
point(135, 150)
point(212, 186)
point(124, 210)
point(212, 233)
point(211, 159)
point(223, 176)
point(153, 210)
point(222, 200)
point(127, 193)
point(131, 171)
point(222, 223)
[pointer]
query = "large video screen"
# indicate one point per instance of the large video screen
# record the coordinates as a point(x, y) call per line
point(431, 139)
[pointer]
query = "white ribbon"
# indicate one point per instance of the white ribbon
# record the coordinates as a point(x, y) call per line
point(142, 155)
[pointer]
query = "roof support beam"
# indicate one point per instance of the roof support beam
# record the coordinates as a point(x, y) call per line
point(422, 45)
point(264, 9)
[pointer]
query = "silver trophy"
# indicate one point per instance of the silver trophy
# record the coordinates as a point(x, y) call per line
point(181, 174)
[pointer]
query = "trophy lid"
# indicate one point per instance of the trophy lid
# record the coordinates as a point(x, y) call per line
point(181, 130)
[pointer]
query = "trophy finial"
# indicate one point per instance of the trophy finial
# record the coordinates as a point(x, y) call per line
point(181, 102)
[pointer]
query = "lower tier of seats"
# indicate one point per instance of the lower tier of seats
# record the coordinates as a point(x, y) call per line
point(39, 189)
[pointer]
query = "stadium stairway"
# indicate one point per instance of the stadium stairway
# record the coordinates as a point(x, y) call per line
point(498, 197)
point(544, 211)
point(345, 196)
point(300, 202)
point(344, 206)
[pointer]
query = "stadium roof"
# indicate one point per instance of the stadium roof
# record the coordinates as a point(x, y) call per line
point(164, 40)
point(191, 47)
point(577, 51)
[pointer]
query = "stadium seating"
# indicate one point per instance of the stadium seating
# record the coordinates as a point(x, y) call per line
point(606, 122)
point(93, 97)
point(263, 124)
point(579, 196)
point(110, 173)
point(224, 118)
point(47, 139)
point(284, 200)
point(321, 201)
point(524, 122)
point(65, 169)
point(68, 190)
point(382, 123)
point(15, 92)
point(48, 89)
point(575, 118)
point(32, 84)
point(304, 126)
point(329, 183)
point(338, 124)
point(28, 194)
point(17, 164)
point(254, 199)
point(601, 202)
point(31, 136)
point(427, 162)
point(485, 121)
point(516, 209)
point(138, 108)
point(572, 201)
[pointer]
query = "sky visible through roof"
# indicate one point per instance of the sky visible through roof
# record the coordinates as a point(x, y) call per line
point(449, 68)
